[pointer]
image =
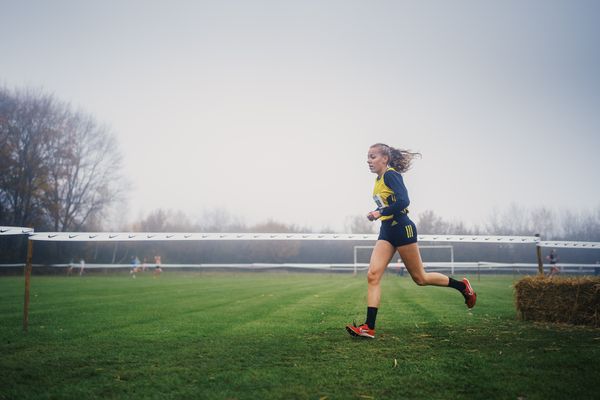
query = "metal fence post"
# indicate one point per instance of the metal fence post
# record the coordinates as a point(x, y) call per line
point(538, 250)
point(28, 266)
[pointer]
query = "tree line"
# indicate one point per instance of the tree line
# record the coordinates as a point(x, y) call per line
point(513, 221)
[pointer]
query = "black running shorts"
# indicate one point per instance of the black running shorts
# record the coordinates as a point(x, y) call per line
point(398, 232)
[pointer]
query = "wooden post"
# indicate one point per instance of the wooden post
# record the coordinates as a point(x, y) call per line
point(538, 250)
point(27, 284)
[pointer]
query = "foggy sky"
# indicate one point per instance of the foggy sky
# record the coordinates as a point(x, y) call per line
point(267, 108)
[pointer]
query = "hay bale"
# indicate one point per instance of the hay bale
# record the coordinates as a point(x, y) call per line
point(567, 300)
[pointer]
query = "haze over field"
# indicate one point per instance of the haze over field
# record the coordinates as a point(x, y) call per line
point(266, 109)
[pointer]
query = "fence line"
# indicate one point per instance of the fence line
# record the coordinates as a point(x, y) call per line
point(195, 236)
point(14, 230)
point(570, 245)
point(482, 265)
point(153, 236)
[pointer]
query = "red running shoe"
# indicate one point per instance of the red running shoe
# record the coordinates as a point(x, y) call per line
point(470, 295)
point(362, 331)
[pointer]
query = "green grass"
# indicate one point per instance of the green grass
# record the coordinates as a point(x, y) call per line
point(281, 336)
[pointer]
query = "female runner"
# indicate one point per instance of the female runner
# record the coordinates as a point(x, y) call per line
point(397, 233)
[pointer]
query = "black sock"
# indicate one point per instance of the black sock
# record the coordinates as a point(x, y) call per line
point(458, 285)
point(371, 316)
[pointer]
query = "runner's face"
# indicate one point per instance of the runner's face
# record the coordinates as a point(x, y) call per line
point(377, 161)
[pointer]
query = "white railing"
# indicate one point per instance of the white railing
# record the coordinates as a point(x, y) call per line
point(199, 236)
point(15, 230)
point(429, 266)
point(193, 236)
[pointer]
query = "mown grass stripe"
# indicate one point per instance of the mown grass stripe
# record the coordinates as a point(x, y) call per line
point(273, 335)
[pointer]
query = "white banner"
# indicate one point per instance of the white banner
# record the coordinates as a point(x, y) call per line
point(146, 236)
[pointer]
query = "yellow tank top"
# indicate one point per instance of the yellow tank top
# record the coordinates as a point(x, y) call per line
point(384, 196)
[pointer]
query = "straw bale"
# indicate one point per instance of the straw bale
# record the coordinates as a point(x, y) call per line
point(568, 300)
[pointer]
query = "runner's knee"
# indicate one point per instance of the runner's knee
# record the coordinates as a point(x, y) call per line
point(419, 279)
point(373, 277)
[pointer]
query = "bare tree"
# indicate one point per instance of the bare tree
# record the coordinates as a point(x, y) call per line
point(84, 174)
point(220, 220)
point(164, 221)
point(514, 220)
point(25, 129)
point(59, 168)
point(584, 225)
point(543, 221)
point(272, 226)
point(359, 224)
point(430, 223)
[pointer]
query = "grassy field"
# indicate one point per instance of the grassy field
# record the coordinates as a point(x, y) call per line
point(281, 336)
